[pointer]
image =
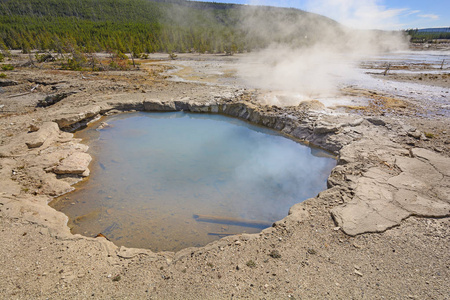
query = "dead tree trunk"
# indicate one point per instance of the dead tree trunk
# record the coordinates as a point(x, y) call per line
point(387, 69)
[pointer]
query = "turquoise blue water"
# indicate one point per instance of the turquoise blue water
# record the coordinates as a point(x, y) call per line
point(153, 171)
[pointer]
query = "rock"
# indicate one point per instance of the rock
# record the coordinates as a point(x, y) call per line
point(441, 163)
point(406, 181)
point(415, 134)
point(361, 217)
point(36, 139)
point(33, 127)
point(50, 184)
point(377, 206)
point(376, 121)
point(377, 174)
point(52, 156)
point(352, 123)
point(103, 125)
point(76, 163)
point(358, 273)
point(323, 128)
point(52, 99)
point(419, 169)
point(4, 83)
point(70, 118)
point(421, 206)
point(371, 209)
point(408, 128)
point(156, 105)
point(125, 105)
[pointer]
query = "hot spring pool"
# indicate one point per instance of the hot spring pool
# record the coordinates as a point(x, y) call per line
point(153, 172)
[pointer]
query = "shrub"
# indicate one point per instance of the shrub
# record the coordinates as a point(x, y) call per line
point(2, 75)
point(275, 254)
point(7, 67)
point(251, 264)
point(429, 135)
point(45, 57)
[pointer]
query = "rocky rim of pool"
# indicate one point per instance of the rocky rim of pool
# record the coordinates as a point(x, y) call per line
point(168, 181)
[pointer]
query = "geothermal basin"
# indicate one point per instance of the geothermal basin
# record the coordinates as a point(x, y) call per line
point(167, 181)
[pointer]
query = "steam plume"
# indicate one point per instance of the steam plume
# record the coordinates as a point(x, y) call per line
point(311, 55)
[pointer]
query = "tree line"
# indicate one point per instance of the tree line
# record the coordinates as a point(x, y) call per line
point(143, 26)
point(140, 26)
point(418, 36)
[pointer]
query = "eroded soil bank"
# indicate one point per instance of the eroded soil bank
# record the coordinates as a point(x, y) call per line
point(381, 230)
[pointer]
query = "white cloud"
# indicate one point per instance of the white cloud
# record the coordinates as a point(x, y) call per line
point(361, 14)
point(430, 16)
point(412, 12)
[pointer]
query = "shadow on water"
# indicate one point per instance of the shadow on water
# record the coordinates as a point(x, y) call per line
point(154, 174)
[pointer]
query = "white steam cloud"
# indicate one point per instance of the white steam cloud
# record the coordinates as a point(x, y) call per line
point(361, 14)
point(313, 56)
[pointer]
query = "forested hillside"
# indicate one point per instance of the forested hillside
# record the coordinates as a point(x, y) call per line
point(428, 34)
point(144, 26)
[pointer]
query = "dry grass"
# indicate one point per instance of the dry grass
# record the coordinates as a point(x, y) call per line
point(377, 103)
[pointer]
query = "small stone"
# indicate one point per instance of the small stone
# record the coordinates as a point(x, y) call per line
point(102, 125)
point(415, 134)
point(33, 127)
point(358, 273)
point(376, 121)
point(237, 243)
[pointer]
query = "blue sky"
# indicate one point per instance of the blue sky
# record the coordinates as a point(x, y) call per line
point(371, 14)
